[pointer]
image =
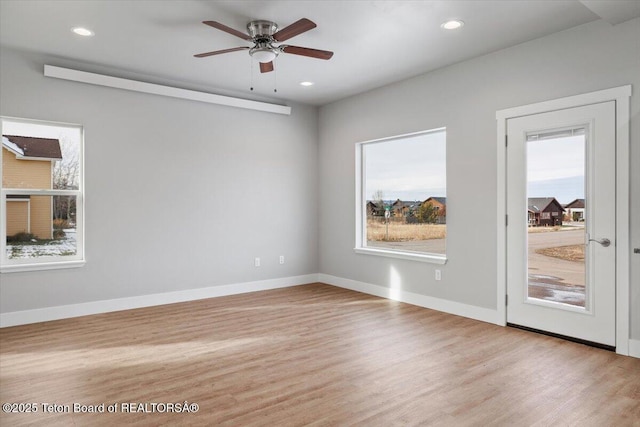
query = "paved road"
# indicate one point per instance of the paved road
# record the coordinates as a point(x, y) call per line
point(434, 246)
point(549, 278)
point(553, 278)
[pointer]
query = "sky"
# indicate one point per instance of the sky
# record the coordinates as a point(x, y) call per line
point(408, 169)
point(414, 168)
point(555, 168)
point(68, 133)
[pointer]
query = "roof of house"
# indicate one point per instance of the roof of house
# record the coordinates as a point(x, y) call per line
point(27, 146)
point(405, 203)
point(539, 204)
point(577, 203)
point(441, 200)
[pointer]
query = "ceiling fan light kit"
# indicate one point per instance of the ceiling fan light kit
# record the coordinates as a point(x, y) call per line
point(263, 54)
point(264, 35)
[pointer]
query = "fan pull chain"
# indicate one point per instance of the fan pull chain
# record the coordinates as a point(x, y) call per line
point(251, 60)
point(275, 77)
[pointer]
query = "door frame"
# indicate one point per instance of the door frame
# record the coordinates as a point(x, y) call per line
point(621, 95)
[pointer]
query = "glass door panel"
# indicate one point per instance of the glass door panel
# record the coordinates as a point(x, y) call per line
point(556, 216)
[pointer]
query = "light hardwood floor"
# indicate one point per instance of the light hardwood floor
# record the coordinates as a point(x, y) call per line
point(311, 355)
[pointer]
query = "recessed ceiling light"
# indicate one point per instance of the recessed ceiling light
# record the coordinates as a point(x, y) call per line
point(81, 31)
point(306, 83)
point(452, 25)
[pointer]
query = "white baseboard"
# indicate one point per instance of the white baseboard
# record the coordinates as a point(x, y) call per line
point(634, 348)
point(446, 306)
point(95, 307)
point(16, 318)
point(451, 307)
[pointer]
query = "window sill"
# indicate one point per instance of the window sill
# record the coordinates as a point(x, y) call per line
point(15, 268)
point(412, 256)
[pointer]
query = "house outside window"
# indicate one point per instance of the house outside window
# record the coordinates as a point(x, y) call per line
point(41, 199)
point(401, 196)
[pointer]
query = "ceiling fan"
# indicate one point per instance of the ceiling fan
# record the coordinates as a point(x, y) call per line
point(264, 35)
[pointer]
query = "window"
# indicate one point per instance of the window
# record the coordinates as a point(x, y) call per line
point(402, 196)
point(41, 200)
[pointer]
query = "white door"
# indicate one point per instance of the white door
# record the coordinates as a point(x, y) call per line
point(561, 268)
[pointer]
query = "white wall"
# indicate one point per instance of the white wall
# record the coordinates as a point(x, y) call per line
point(179, 194)
point(464, 98)
point(161, 218)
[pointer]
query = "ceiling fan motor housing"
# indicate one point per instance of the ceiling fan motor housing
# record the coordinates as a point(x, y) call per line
point(262, 34)
point(262, 29)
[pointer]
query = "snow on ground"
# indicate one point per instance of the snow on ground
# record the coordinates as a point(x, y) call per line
point(61, 247)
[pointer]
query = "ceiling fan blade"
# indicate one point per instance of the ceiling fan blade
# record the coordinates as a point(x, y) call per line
point(294, 29)
point(305, 51)
point(266, 67)
point(226, 29)
point(218, 52)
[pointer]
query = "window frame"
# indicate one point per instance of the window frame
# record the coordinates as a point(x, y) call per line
point(361, 207)
point(8, 265)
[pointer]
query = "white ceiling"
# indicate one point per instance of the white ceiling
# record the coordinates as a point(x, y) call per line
point(375, 42)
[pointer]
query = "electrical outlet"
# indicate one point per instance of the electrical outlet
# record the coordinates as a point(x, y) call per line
point(438, 274)
point(281, 259)
point(256, 262)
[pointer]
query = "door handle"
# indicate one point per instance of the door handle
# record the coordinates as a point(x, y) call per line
point(604, 242)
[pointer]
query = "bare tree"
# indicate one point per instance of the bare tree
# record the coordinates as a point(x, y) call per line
point(66, 175)
point(66, 172)
point(378, 200)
